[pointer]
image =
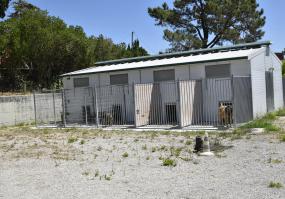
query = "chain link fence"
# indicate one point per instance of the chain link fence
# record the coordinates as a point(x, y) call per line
point(220, 102)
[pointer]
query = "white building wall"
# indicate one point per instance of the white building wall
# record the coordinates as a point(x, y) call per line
point(258, 85)
point(182, 72)
point(240, 67)
point(278, 85)
point(168, 91)
point(272, 62)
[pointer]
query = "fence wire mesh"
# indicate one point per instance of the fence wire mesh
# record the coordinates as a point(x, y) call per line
point(216, 102)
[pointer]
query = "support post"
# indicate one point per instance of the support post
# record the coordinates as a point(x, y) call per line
point(233, 101)
point(86, 114)
point(134, 100)
point(96, 107)
point(63, 108)
point(178, 104)
point(35, 108)
point(54, 115)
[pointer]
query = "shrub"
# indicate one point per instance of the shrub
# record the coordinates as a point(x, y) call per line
point(276, 185)
point(169, 162)
point(188, 142)
point(82, 142)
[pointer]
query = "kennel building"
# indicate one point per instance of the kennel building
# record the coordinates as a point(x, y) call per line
point(177, 89)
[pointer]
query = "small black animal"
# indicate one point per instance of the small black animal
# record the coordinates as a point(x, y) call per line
point(198, 144)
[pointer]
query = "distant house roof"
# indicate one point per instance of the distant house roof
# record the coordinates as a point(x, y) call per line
point(280, 56)
point(242, 51)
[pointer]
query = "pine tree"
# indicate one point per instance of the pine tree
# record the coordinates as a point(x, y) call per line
point(206, 23)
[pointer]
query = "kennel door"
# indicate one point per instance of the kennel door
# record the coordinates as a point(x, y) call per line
point(142, 95)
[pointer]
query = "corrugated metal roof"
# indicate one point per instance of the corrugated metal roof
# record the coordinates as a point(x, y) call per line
point(187, 53)
point(189, 59)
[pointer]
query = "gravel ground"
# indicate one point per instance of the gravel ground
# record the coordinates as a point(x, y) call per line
point(44, 165)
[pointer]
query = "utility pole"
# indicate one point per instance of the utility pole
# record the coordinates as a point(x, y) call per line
point(132, 44)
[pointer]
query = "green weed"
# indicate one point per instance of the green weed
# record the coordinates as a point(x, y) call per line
point(169, 162)
point(276, 185)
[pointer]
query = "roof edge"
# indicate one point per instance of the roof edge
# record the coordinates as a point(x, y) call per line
point(185, 53)
point(166, 65)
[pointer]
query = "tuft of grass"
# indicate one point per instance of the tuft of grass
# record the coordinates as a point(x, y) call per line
point(175, 151)
point(153, 149)
point(108, 178)
point(125, 155)
point(147, 158)
point(72, 139)
point(276, 185)
point(136, 140)
point(274, 161)
point(144, 147)
point(85, 173)
point(169, 162)
point(82, 142)
point(96, 173)
point(280, 112)
point(188, 142)
point(264, 122)
point(282, 138)
point(163, 148)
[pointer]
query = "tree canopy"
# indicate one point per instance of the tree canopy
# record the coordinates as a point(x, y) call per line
point(35, 48)
point(205, 23)
point(4, 4)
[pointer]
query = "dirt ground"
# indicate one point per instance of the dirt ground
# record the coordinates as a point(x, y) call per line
point(87, 164)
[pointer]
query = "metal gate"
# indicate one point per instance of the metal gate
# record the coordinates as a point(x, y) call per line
point(156, 104)
point(242, 92)
point(269, 91)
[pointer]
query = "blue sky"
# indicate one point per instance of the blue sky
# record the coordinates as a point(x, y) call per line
point(118, 18)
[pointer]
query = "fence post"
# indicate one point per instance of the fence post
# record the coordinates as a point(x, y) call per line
point(134, 99)
point(63, 108)
point(178, 103)
point(124, 118)
point(233, 101)
point(35, 108)
point(86, 114)
point(53, 100)
point(96, 107)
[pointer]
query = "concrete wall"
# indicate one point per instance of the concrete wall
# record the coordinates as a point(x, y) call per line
point(20, 109)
